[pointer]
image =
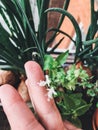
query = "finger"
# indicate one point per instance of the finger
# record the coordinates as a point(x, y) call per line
point(46, 110)
point(19, 115)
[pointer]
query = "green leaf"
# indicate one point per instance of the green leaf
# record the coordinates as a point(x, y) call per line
point(90, 42)
point(55, 46)
point(48, 62)
point(5, 41)
point(75, 25)
point(82, 109)
point(61, 59)
point(97, 104)
point(91, 92)
point(65, 6)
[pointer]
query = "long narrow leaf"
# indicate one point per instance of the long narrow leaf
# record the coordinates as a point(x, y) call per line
point(32, 34)
point(5, 41)
point(58, 31)
point(76, 27)
point(66, 3)
point(57, 44)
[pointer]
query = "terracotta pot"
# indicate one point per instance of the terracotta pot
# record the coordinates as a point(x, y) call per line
point(95, 120)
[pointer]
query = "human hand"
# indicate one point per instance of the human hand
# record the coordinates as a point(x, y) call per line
point(20, 116)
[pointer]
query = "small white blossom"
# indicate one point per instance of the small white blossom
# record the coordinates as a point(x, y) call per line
point(48, 81)
point(42, 83)
point(51, 92)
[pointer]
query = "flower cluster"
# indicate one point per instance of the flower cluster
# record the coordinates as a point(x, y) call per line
point(50, 90)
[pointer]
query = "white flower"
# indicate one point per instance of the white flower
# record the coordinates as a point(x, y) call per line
point(51, 92)
point(42, 83)
point(48, 81)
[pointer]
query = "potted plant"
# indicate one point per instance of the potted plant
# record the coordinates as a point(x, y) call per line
point(74, 88)
point(20, 40)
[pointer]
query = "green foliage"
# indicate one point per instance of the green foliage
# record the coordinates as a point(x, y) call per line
point(72, 106)
point(51, 63)
point(22, 38)
point(89, 50)
point(69, 86)
point(19, 39)
point(20, 42)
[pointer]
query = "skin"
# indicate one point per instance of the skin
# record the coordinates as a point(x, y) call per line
point(20, 116)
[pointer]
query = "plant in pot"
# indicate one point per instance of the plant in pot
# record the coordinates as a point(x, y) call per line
point(72, 87)
point(20, 40)
point(21, 37)
point(89, 58)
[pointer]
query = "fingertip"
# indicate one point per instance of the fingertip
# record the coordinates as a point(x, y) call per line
point(31, 64)
point(5, 89)
point(34, 72)
point(8, 95)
